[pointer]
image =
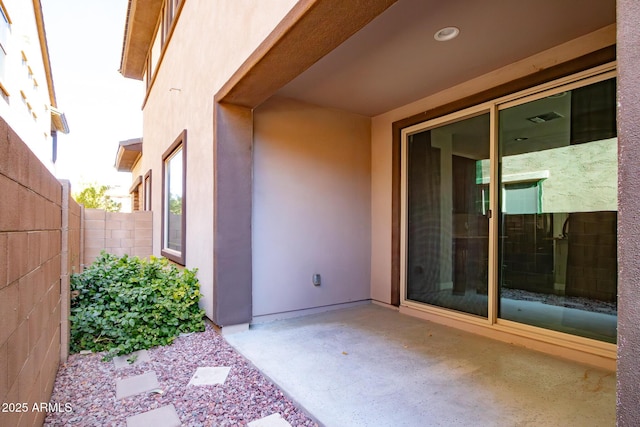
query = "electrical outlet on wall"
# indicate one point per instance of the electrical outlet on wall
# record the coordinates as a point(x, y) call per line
point(316, 280)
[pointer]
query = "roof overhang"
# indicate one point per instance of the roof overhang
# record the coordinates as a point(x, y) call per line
point(140, 25)
point(58, 121)
point(44, 48)
point(136, 183)
point(58, 118)
point(373, 56)
point(395, 59)
point(129, 152)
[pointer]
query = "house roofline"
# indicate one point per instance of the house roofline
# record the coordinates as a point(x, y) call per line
point(140, 24)
point(58, 118)
point(264, 72)
point(59, 121)
point(44, 48)
point(129, 152)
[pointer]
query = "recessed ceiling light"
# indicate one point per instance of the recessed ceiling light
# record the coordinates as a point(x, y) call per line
point(520, 138)
point(447, 33)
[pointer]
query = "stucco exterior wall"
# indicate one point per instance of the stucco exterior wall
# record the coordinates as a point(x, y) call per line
point(137, 171)
point(381, 142)
point(35, 131)
point(311, 207)
point(628, 374)
point(574, 178)
point(214, 38)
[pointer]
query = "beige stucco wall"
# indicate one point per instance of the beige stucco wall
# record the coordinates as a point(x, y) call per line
point(381, 141)
point(311, 207)
point(214, 38)
point(574, 178)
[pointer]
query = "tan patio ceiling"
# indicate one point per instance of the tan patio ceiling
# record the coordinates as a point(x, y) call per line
point(395, 60)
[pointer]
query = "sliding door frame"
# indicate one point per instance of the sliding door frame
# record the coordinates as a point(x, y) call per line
point(458, 116)
point(584, 78)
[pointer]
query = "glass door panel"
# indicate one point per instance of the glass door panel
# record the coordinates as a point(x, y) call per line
point(558, 198)
point(447, 216)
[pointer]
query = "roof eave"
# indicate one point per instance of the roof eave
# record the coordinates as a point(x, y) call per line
point(59, 121)
point(140, 25)
point(129, 152)
point(44, 48)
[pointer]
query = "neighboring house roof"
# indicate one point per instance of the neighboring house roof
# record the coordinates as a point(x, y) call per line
point(136, 183)
point(129, 152)
point(142, 18)
point(58, 119)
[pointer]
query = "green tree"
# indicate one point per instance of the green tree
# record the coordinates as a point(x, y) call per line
point(96, 197)
point(175, 204)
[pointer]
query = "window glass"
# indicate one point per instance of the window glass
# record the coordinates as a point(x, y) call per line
point(174, 201)
point(558, 235)
point(556, 161)
point(173, 210)
point(447, 222)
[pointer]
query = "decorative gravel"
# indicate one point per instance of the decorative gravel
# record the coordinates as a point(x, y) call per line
point(579, 303)
point(88, 385)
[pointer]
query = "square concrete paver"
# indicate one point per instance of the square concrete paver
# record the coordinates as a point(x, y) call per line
point(209, 376)
point(164, 416)
point(273, 420)
point(137, 384)
point(138, 357)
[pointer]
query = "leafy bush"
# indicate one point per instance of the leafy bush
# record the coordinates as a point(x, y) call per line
point(124, 304)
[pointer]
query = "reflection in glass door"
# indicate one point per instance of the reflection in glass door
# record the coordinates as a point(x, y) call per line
point(550, 260)
point(558, 179)
point(447, 224)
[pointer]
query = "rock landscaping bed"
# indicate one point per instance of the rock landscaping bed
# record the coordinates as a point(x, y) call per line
point(85, 388)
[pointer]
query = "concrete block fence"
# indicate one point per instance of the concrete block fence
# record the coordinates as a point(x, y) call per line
point(117, 233)
point(45, 237)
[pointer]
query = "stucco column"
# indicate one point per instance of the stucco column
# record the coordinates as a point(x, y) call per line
point(628, 409)
point(233, 165)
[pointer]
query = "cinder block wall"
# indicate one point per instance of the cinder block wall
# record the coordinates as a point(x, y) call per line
point(117, 233)
point(30, 245)
point(71, 258)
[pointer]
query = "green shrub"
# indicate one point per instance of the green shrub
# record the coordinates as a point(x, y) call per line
point(124, 304)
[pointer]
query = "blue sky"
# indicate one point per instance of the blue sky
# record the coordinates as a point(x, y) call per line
point(101, 106)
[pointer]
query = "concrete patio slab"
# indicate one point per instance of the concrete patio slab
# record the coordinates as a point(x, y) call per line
point(209, 376)
point(273, 420)
point(372, 366)
point(135, 385)
point(132, 359)
point(165, 416)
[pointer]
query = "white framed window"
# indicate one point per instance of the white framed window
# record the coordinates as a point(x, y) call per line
point(174, 167)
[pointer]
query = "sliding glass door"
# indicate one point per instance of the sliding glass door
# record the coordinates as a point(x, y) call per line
point(550, 259)
point(558, 169)
point(447, 223)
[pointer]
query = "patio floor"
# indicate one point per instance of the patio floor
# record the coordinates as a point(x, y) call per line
point(371, 366)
